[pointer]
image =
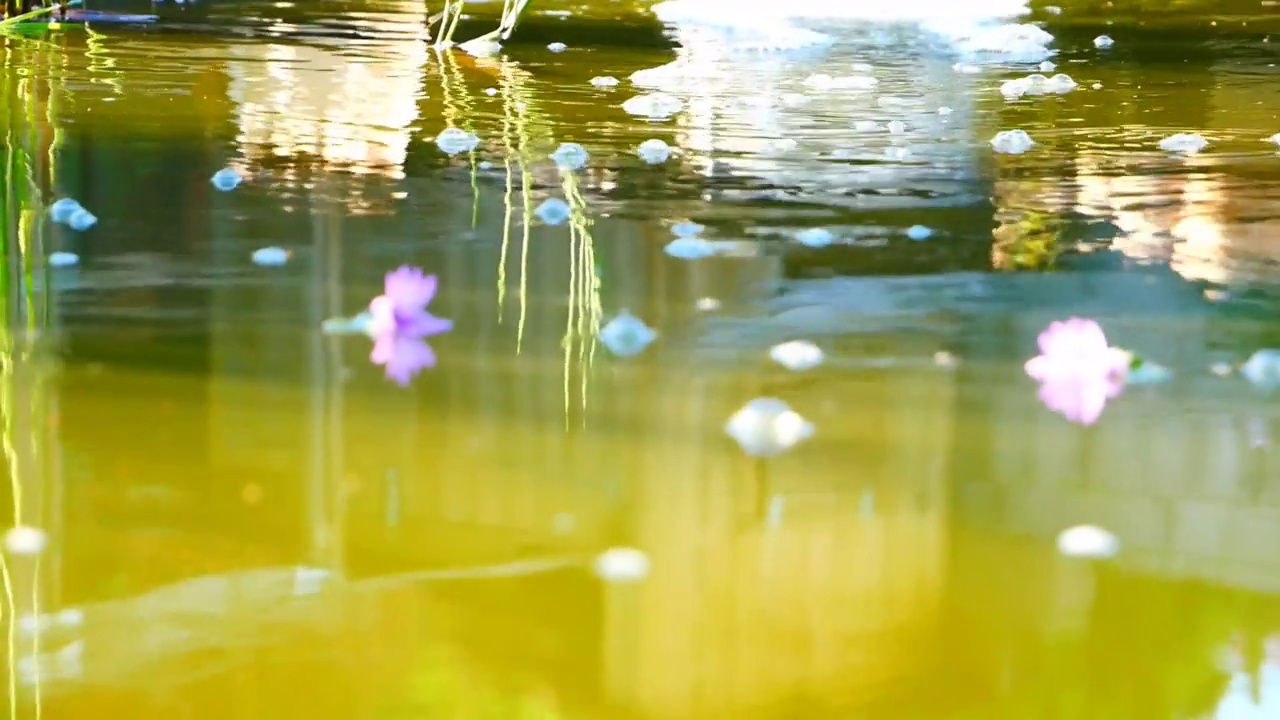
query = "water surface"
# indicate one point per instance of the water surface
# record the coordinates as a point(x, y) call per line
point(246, 519)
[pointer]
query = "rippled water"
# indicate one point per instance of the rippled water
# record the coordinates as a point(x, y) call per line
point(246, 519)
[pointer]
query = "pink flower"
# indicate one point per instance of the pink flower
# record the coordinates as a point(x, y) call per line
point(1077, 371)
point(399, 323)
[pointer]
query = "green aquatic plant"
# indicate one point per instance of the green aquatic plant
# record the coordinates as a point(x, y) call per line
point(452, 13)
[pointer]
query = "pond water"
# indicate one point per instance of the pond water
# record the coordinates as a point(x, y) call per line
point(240, 515)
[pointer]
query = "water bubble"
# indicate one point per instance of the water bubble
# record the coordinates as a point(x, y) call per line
point(966, 68)
point(1102, 42)
point(1037, 84)
point(491, 92)
point(944, 110)
point(1053, 9)
point(81, 220)
point(690, 248)
point(687, 229)
point(622, 565)
point(897, 127)
point(655, 105)
point(1263, 369)
point(865, 126)
point(1012, 142)
point(919, 232)
point(797, 355)
point(767, 427)
point(226, 179)
point(627, 335)
point(1088, 541)
point(63, 259)
point(557, 47)
point(1047, 66)
point(654, 151)
point(553, 211)
point(570, 156)
point(707, 304)
point(815, 237)
point(604, 81)
point(60, 211)
point(270, 256)
point(1096, 86)
point(1184, 143)
point(456, 140)
point(23, 540)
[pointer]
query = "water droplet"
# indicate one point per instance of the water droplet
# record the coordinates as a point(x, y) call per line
point(767, 427)
point(656, 105)
point(797, 355)
point(1188, 143)
point(1263, 369)
point(456, 140)
point(63, 259)
point(622, 565)
point(690, 248)
point(919, 232)
point(627, 335)
point(1012, 142)
point(60, 211)
point(25, 541)
point(570, 156)
point(226, 179)
point(1088, 541)
point(553, 211)
point(815, 237)
point(81, 220)
point(270, 256)
point(687, 229)
point(654, 151)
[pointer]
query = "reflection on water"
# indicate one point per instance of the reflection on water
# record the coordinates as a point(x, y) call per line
point(241, 517)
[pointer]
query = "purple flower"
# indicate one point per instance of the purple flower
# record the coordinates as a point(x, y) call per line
point(1077, 371)
point(399, 323)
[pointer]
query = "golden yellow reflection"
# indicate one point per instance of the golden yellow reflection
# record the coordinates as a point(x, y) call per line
point(351, 112)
